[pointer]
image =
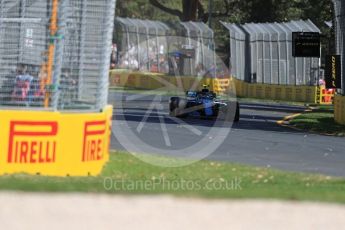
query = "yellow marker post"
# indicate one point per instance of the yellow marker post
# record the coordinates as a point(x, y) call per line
point(51, 50)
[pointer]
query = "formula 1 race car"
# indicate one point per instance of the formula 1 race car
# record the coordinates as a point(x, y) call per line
point(204, 104)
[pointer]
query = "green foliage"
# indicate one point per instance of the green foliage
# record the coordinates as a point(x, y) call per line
point(241, 11)
point(142, 9)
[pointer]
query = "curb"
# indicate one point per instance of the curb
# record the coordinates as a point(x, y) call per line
point(286, 123)
point(286, 119)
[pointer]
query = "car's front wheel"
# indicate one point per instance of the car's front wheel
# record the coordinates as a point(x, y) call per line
point(177, 106)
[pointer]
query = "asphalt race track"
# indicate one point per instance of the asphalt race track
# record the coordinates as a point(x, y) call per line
point(255, 140)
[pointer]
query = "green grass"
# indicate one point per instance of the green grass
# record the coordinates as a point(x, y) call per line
point(320, 120)
point(125, 174)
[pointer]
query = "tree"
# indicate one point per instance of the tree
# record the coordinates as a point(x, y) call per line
point(261, 11)
point(192, 10)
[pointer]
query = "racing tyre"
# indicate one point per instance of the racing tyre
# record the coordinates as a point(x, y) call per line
point(177, 105)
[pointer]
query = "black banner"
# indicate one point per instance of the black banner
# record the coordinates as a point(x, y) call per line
point(306, 44)
point(333, 72)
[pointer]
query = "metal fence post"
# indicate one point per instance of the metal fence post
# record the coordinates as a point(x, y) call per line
point(103, 86)
point(22, 4)
point(185, 25)
point(156, 28)
point(287, 42)
point(59, 49)
point(82, 48)
point(200, 42)
point(271, 57)
point(138, 44)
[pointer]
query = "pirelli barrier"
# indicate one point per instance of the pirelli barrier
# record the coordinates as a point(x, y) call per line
point(339, 109)
point(54, 143)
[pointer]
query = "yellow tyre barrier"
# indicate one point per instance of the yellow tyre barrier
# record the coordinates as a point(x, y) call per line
point(278, 92)
point(150, 81)
point(259, 91)
point(54, 143)
point(289, 94)
point(268, 91)
point(221, 85)
point(339, 109)
point(306, 94)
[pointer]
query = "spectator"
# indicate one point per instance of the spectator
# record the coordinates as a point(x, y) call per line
point(114, 57)
point(22, 84)
point(35, 95)
point(322, 82)
point(68, 87)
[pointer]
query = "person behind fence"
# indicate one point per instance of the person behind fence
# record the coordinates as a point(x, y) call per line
point(322, 82)
point(114, 57)
point(36, 94)
point(68, 87)
point(22, 84)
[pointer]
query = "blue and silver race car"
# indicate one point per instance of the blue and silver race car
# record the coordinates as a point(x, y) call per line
point(204, 104)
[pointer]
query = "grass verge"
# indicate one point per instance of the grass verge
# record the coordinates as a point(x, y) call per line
point(125, 174)
point(320, 120)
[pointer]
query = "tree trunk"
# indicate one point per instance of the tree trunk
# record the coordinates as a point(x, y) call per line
point(190, 10)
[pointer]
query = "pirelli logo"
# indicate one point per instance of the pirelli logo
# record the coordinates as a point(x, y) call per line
point(32, 142)
point(94, 146)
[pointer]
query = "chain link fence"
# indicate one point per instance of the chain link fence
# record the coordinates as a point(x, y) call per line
point(182, 48)
point(339, 26)
point(262, 53)
point(201, 38)
point(140, 45)
point(54, 54)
